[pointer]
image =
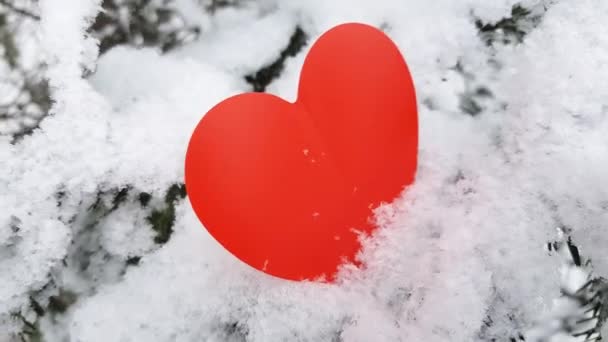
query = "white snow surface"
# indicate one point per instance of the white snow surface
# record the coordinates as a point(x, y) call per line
point(460, 256)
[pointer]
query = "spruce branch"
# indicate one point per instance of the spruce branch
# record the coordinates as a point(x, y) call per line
point(582, 310)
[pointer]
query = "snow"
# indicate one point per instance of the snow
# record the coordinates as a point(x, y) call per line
point(257, 36)
point(460, 256)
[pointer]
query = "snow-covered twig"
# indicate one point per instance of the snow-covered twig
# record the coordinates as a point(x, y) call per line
point(581, 311)
point(19, 10)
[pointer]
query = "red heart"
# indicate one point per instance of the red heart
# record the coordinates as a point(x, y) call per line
point(285, 186)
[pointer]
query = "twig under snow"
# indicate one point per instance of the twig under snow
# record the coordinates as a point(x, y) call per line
point(19, 10)
point(582, 310)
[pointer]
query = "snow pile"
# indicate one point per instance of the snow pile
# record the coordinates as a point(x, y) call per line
point(99, 243)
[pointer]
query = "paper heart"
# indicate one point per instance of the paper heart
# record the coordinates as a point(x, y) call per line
point(286, 186)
